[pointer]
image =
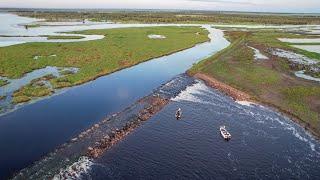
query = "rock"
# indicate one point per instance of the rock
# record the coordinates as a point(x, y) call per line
point(74, 139)
point(96, 125)
point(90, 149)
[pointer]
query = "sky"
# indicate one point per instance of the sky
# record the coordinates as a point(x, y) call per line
point(292, 6)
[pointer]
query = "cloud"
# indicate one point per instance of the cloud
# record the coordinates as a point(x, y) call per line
point(227, 2)
point(294, 6)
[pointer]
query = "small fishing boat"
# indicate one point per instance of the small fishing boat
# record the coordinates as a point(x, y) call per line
point(178, 113)
point(224, 133)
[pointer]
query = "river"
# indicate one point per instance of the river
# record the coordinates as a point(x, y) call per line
point(39, 127)
point(265, 144)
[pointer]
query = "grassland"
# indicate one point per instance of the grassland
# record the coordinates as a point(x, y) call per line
point(64, 37)
point(32, 25)
point(176, 17)
point(30, 91)
point(269, 81)
point(119, 49)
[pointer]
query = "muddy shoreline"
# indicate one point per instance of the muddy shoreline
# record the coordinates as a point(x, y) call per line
point(238, 95)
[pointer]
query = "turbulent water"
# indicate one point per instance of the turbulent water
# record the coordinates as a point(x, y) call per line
point(264, 144)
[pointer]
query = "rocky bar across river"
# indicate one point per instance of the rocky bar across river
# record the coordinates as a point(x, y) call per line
point(94, 141)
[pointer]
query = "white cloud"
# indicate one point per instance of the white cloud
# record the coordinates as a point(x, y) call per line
point(229, 5)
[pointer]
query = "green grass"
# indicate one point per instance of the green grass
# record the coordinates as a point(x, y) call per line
point(296, 98)
point(3, 82)
point(64, 37)
point(270, 38)
point(269, 81)
point(30, 91)
point(120, 48)
point(33, 25)
point(177, 17)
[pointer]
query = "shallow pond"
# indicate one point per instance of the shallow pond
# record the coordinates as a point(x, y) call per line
point(257, 54)
point(301, 74)
point(311, 48)
point(289, 40)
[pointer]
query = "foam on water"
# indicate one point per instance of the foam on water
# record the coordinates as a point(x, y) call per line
point(264, 142)
point(200, 93)
point(76, 170)
point(191, 94)
point(245, 103)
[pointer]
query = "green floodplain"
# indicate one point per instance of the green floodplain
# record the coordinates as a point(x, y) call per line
point(272, 81)
point(119, 49)
point(188, 17)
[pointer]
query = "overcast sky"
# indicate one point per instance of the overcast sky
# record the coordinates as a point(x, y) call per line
point(307, 6)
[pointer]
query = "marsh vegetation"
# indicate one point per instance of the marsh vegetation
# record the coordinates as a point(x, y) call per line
point(119, 49)
point(3, 82)
point(269, 81)
point(175, 17)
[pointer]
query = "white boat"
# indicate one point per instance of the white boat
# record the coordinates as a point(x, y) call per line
point(224, 133)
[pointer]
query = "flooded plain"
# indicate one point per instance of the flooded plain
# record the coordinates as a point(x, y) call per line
point(265, 144)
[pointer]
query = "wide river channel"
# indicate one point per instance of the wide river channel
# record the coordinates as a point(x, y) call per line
point(265, 144)
point(33, 130)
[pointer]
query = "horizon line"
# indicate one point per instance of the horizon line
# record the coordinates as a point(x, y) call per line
point(155, 9)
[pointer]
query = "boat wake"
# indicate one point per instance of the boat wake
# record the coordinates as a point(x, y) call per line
point(199, 93)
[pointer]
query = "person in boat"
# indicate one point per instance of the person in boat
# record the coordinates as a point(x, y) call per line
point(178, 113)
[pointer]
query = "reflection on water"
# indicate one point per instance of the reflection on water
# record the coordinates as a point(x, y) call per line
point(264, 144)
